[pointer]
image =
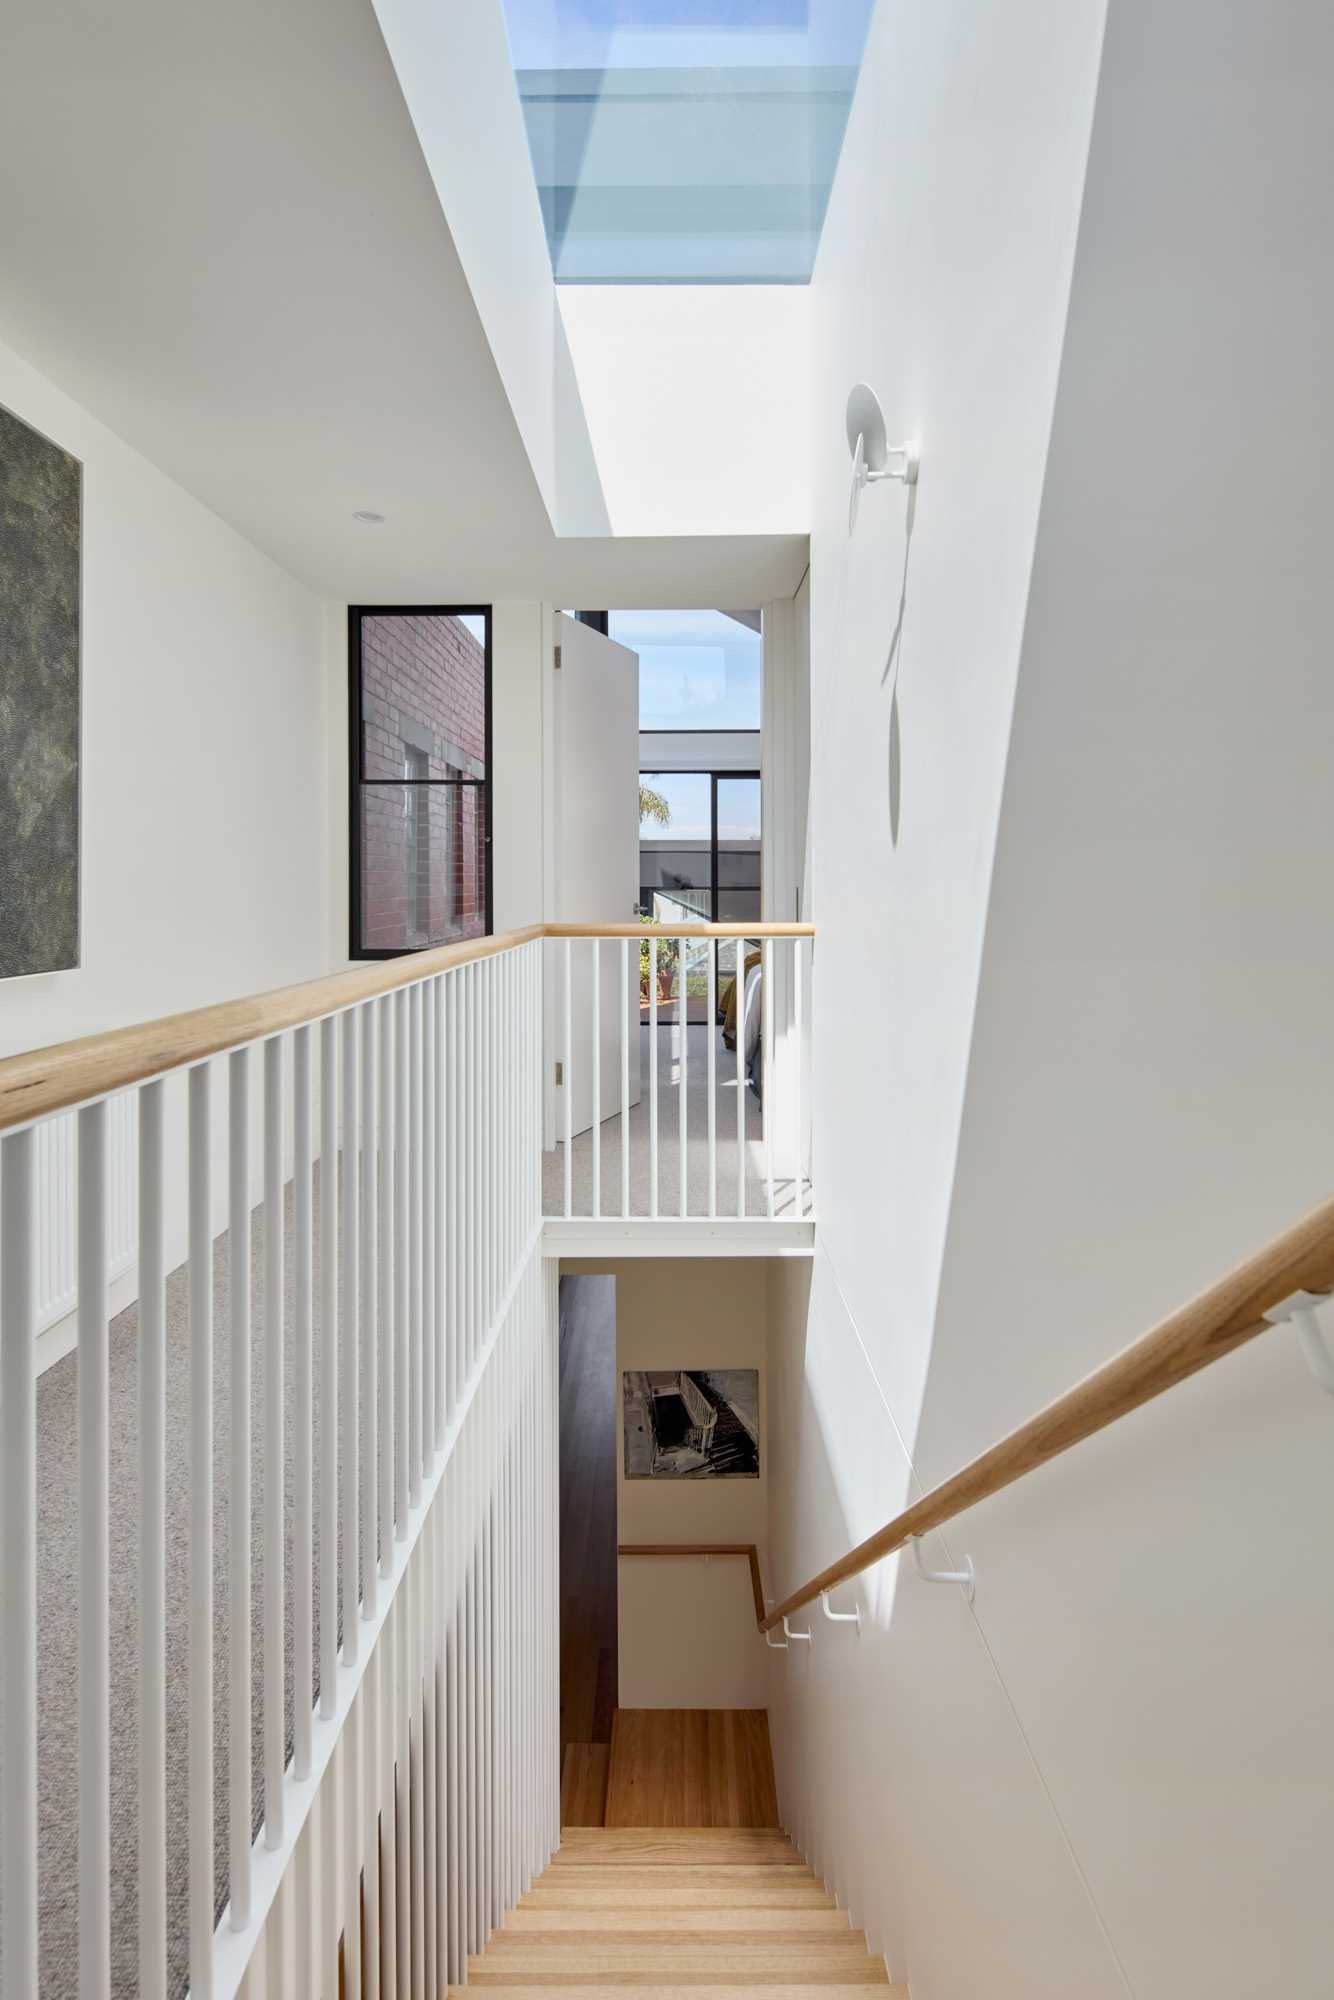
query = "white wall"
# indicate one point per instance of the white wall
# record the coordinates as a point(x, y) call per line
point(699, 749)
point(473, 140)
point(688, 395)
point(943, 280)
point(521, 643)
point(203, 813)
point(1107, 1776)
point(202, 809)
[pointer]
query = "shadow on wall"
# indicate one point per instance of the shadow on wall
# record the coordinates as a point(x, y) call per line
point(890, 675)
point(836, 1707)
point(902, 1774)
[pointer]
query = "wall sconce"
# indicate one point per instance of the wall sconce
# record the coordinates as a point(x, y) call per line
point(873, 457)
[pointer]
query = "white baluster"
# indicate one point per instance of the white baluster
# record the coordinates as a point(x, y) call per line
point(370, 1147)
point(386, 1371)
point(567, 1080)
point(653, 1077)
point(303, 1406)
point(416, 1286)
point(454, 1176)
point(769, 1106)
point(349, 1371)
point(274, 1539)
point(451, 1774)
point(433, 1272)
point(512, 1074)
point(797, 1134)
point(328, 1365)
point(491, 971)
point(711, 1039)
point(625, 1076)
point(238, 1489)
point(199, 1806)
point(472, 1206)
point(595, 948)
point(402, 1262)
point(682, 1017)
point(152, 1316)
point(739, 1015)
point(93, 1379)
point(18, 1558)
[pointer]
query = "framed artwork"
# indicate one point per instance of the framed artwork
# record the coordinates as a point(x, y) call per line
point(40, 528)
point(691, 1423)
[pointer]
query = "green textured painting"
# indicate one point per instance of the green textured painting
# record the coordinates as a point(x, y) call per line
point(40, 500)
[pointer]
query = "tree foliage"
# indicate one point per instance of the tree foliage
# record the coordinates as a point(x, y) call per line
point(653, 806)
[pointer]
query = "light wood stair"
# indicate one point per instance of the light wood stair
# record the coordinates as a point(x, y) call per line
point(642, 1912)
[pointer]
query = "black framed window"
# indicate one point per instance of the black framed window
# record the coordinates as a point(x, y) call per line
point(701, 863)
point(420, 805)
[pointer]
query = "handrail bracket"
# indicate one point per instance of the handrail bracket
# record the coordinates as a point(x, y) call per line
point(841, 1617)
point(1300, 1308)
point(965, 1577)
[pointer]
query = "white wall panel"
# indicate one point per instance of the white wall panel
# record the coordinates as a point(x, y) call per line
point(1074, 923)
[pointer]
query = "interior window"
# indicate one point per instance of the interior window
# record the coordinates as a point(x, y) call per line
point(421, 768)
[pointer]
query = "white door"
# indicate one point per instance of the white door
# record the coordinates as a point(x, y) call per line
point(597, 857)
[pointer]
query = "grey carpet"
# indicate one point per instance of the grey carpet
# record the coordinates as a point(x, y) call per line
point(58, 1621)
point(669, 1142)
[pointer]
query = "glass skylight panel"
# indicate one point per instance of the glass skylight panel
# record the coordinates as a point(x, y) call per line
point(685, 141)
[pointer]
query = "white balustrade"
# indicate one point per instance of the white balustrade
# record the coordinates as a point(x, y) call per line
point(682, 1151)
point(401, 1487)
point(404, 1485)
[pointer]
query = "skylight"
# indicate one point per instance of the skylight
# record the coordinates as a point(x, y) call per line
point(685, 141)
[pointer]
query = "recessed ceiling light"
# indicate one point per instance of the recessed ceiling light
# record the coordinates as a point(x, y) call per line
point(367, 514)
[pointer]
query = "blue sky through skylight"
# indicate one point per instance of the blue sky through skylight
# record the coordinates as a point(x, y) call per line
point(685, 140)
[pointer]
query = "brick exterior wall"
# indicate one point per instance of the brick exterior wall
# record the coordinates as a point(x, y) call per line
point(423, 847)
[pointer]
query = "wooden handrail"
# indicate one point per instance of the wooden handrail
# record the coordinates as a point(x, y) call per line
point(1221, 1319)
point(747, 1549)
point(52, 1079)
point(42, 1081)
point(680, 930)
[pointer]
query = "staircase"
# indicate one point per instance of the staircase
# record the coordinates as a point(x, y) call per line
point(653, 1909)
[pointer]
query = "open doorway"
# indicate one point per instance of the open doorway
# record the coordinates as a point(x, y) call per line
point(588, 1563)
point(663, 1513)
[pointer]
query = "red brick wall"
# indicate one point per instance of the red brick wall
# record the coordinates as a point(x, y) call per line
point(423, 854)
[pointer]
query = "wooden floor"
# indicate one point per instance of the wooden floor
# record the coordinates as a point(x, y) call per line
point(696, 1767)
point(588, 1441)
point(583, 1784)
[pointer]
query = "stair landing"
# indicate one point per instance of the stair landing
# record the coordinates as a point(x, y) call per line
point(691, 1767)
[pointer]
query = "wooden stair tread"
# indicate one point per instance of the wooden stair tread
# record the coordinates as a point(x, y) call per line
point(574, 1990)
point(753, 1888)
point(637, 1961)
point(726, 1909)
point(669, 1924)
point(657, 1845)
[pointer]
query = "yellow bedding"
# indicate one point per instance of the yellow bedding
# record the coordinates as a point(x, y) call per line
point(727, 1000)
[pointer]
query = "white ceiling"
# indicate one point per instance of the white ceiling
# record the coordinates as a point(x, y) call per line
point(220, 235)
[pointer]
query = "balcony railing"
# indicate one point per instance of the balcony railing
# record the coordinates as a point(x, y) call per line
point(683, 1058)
